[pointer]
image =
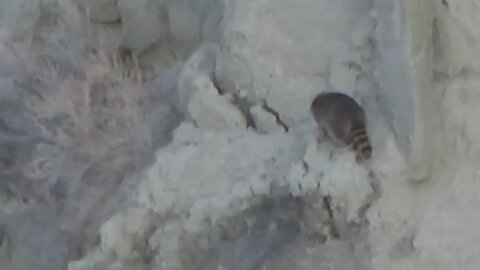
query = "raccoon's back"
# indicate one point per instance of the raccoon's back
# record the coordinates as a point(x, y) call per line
point(346, 119)
point(337, 105)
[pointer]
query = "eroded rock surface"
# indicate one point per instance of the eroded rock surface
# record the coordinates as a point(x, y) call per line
point(242, 182)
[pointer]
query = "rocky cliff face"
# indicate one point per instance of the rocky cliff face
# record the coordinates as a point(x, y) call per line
point(177, 135)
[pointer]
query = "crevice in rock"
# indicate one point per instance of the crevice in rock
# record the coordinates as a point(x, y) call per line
point(305, 168)
point(242, 103)
point(328, 207)
point(244, 107)
point(372, 198)
point(3, 234)
point(435, 42)
point(276, 115)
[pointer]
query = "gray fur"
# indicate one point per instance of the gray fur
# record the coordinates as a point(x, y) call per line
point(337, 115)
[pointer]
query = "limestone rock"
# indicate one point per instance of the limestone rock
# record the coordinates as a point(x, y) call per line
point(344, 75)
point(122, 234)
point(194, 21)
point(292, 100)
point(166, 239)
point(265, 122)
point(333, 255)
point(142, 22)
point(200, 63)
point(104, 11)
point(455, 29)
point(18, 19)
point(233, 74)
point(208, 165)
point(334, 173)
point(404, 73)
point(362, 32)
point(296, 68)
point(210, 110)
point(448, 236)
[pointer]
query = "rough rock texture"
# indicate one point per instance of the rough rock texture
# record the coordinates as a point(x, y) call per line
point(403, 70)
point(227, 170)
point(212, 111)
point(145, 15)
point(103, 11)
point(192, 147)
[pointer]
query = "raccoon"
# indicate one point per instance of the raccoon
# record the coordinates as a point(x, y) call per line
point(342, 120)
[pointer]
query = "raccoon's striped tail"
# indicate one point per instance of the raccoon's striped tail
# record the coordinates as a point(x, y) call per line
point(361, 143)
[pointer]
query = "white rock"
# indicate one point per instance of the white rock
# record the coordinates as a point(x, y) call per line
point(362, 32)
point(114, 242)
point(210, 110)
point(201, 174)
point(332, 255)
point(292, 99)
point(18, 18)
point(344, 75)
point(94, 258)
point(404, 60)
point(188, 19)
point(460, 107)
point(304, 41)
point(392, 217)
point(455, 33)
point(166, 240)
point(233, 74)
point(265, 122)
point(200, 63)
point(338, 176)
point(142, 24)
point(120, 234)
point(211, 173)
point(448, 237)
point(103, 10)
point(283, 52)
